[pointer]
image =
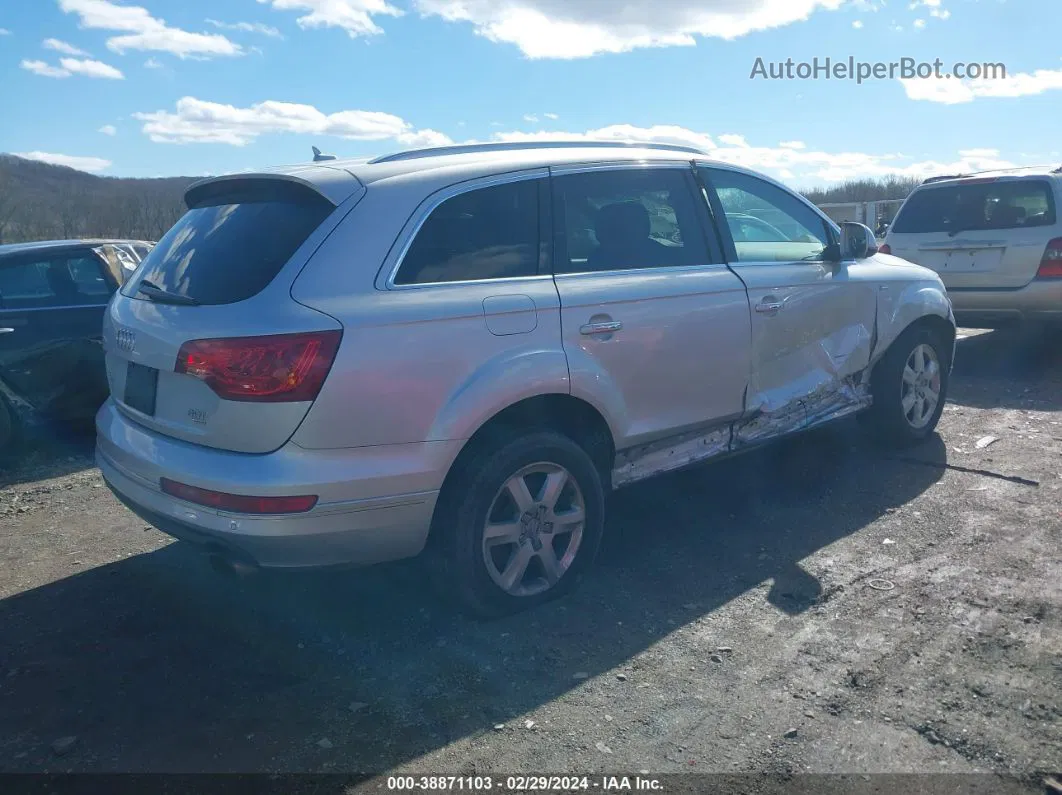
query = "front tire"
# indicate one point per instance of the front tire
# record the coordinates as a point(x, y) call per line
point(519, 524)
point(910, 386)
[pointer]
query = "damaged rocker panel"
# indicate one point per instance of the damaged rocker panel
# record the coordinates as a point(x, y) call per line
point(827, 403)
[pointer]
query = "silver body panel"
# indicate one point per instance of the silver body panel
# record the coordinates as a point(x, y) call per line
point(692, 370)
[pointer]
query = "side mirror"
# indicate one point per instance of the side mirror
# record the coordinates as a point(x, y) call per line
point(857, 241)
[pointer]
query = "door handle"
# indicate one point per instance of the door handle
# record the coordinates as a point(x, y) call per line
point(7, 331)
point(604, 327)
point(769, 307)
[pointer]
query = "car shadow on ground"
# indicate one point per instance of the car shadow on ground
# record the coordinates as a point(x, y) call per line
point(1009, 368)
point(157, 663)
point(48, 449)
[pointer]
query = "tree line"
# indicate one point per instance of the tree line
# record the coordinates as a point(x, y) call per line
point(39, 201)
point(865, 190)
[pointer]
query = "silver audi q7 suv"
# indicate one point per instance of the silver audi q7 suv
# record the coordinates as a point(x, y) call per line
point(463, 350)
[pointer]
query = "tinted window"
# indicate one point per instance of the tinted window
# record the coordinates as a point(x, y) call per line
point(231, 249)
point(971, 206)
point(60, 281)
point(768, 223)
point(489, 233)
point(88, 276)
point(622, 219)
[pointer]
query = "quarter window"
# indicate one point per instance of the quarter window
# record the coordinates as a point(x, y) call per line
point(627, 218)
point(767, 223)
point(487, 233)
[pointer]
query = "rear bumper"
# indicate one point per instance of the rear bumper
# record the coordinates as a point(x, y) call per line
point(375, 504)
point(1040, 300)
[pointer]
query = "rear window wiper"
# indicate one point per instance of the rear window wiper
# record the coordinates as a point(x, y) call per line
point(156, 293)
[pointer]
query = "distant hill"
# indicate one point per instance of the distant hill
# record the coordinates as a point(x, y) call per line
point(39, 201)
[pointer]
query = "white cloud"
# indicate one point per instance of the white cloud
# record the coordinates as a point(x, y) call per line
point(551, 116)
point(733, 140)
point(196, 121)
point(954, 92)
point(531, 117)
point(92, 164)
point(153, 63)
point(857, 24)
point(353, 16)
point(73, 66)
point(248, 27)
point(936, 9)
point(798, 164)
point(582, 28)
point(141, 31)
point(43, 69)
point(919, 23)
point(108, 129)
point(63, 47)
point(90, 68)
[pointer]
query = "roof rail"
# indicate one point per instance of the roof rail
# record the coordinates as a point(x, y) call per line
point(991, 171)
point(506, 146)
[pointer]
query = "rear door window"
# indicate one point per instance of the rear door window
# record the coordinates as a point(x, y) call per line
point(64, 280)
point(486, 233)
point(231, 246)
point(622, 219)
point(976, 206)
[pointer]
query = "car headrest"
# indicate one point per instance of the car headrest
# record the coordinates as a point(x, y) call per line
point(622, 221)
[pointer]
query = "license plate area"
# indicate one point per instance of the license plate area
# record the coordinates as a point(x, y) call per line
point(141, 388)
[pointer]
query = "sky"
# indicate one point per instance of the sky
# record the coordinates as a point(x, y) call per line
point(194, 87)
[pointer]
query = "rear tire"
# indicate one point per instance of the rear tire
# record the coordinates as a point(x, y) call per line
point(910, 386)
point(504, 547)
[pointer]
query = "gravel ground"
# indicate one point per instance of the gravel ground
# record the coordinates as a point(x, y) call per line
point(820, 606)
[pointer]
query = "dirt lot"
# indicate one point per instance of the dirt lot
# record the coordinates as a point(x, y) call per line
point(821, 606)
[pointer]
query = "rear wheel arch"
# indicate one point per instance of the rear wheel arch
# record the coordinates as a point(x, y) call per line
point(570, 416)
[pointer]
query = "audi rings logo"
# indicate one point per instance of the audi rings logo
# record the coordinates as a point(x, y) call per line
point(125, 339)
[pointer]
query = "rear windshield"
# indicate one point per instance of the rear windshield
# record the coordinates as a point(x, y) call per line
point(229, 249)
point(973, 206)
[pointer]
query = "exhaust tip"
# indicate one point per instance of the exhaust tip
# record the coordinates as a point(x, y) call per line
point(231, 567)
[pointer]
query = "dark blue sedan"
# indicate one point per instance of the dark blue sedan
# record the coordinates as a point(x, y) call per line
point(52, 298)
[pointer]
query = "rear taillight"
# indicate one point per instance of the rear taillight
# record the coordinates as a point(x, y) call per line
point(1051, 264)
point(235, 503)
point(281, 368)
point(884, 249)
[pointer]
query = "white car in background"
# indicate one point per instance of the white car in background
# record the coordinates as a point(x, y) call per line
point(994, 238)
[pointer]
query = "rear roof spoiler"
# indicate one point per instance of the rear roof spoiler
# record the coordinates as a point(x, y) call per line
point(334, 185)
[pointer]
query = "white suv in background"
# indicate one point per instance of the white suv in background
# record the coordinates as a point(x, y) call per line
point(995, 238)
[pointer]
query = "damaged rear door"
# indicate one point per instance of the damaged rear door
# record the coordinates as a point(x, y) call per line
point(812, 325)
